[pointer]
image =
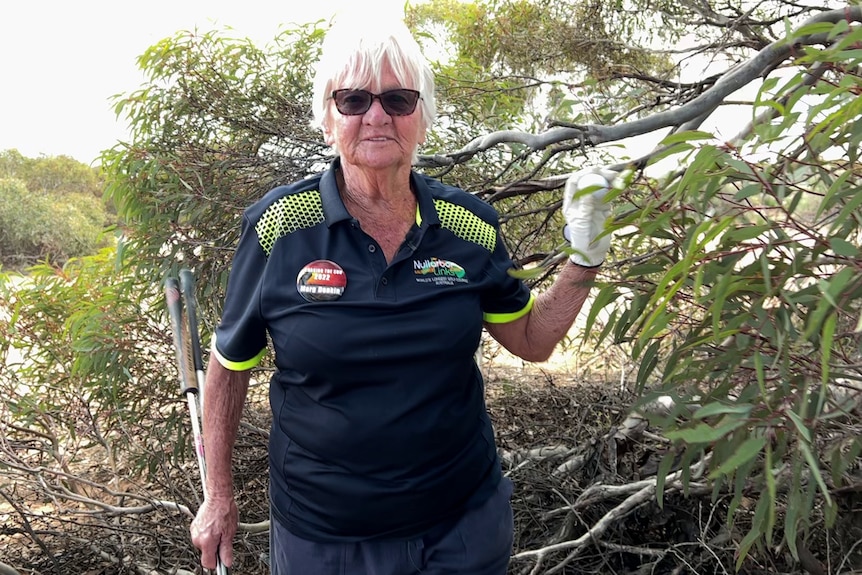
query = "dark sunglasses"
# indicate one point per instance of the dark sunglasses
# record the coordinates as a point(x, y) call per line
point(400, 102)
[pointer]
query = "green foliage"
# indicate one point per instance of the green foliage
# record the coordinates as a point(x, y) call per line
point(85, 365)
point(745, 297)
point(38, 226)
point(51, 174)
point(506, 64)
point(523, 39)
point(218, 124)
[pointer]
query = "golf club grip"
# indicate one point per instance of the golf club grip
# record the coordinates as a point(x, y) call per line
point(175, 310)
point(187, 285)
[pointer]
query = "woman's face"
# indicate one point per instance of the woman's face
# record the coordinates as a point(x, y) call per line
point(375, 140)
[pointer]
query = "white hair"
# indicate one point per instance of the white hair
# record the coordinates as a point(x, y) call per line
point(353, 56)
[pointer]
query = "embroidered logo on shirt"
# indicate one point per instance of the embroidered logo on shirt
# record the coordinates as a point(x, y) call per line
point(439, 272)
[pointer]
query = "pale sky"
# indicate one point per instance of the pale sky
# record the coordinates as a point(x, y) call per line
point(61, 61)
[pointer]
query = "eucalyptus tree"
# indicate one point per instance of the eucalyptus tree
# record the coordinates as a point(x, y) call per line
point(736, 287)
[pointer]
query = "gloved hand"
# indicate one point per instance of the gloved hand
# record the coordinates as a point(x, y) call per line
point(586, 215)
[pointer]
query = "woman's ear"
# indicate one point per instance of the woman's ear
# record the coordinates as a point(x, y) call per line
point(328, 132)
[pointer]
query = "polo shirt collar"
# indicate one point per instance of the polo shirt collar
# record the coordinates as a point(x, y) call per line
point(427, 211)
point(334, 210)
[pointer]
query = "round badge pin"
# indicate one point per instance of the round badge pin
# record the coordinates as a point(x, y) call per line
point(321, 280)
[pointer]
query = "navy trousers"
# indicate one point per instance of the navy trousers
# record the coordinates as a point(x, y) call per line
point(479, 543)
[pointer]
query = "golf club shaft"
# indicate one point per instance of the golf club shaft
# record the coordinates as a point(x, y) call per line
point(190, 366)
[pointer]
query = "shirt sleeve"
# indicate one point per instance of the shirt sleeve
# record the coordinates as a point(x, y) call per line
point(240, 338)
point(509, 298)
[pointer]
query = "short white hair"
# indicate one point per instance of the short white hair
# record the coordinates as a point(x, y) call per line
point(353, 55)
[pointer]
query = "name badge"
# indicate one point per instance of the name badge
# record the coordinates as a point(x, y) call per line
point(321, 280)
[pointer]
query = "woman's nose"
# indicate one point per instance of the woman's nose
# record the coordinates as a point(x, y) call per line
point(376, 111)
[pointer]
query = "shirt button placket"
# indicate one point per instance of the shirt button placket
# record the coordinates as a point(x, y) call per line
point(385, 288)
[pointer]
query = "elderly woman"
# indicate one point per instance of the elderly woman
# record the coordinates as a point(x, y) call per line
point(373, 283)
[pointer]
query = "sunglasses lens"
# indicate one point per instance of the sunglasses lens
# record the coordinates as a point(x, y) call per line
point(400, 102)
point(352, 102)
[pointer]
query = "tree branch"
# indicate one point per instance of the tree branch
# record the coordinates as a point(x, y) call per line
point(688, 115)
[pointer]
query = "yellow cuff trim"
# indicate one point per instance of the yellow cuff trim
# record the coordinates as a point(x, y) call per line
point(510, 317)
point(237, 365)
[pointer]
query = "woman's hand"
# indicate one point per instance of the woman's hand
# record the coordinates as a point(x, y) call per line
point(213, 530)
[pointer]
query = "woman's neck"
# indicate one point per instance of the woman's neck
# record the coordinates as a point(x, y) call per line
point(376, 191)
point(384, 207)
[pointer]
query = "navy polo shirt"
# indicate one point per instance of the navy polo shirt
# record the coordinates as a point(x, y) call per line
point(379, 421)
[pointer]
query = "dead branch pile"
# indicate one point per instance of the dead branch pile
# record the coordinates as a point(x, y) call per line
point(584, 468)
point(585, 501)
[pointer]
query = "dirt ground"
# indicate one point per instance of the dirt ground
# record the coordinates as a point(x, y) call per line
point(556, 436)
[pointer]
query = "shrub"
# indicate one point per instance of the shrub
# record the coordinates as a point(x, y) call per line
point(37, 226)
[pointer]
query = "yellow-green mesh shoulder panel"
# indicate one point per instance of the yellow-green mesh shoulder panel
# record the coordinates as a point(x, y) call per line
point(287, 215)
point(466, 225)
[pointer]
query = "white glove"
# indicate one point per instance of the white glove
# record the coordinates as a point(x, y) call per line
point(586, 215)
